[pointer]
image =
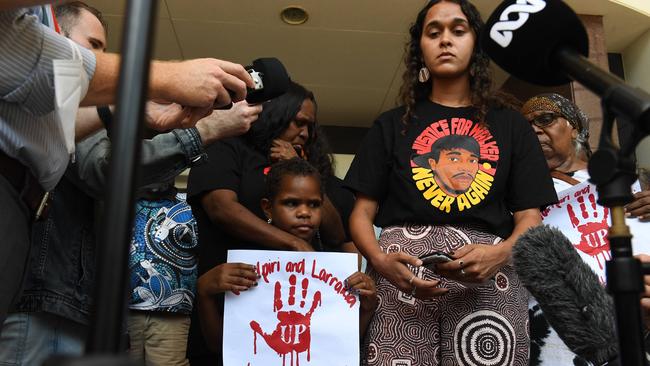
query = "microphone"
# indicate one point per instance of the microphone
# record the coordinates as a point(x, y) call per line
point(523, 39)
point(271, 80)
point(270, 77)
point(569, 293)
point(543, 42)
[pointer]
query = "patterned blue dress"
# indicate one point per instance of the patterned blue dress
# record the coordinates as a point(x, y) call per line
point(162, 257)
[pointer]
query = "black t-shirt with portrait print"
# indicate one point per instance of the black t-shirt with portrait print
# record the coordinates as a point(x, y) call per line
point(445, 168)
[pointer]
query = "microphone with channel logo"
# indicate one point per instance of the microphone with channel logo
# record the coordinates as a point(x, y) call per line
point(523, 38)
point(270, 78)
point(543, 42)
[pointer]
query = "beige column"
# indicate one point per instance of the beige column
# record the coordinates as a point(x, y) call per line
point(585, 99)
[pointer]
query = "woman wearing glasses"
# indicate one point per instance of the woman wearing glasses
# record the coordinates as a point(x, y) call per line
point(563, 132)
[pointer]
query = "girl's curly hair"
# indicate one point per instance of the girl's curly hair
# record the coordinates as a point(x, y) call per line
point(482, 97)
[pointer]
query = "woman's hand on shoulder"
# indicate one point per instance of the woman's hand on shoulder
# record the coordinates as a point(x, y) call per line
point(235, 277)
point(393, 266)
point(299, 245)
point(475, 263)
point(282, 150)
point(640, 207)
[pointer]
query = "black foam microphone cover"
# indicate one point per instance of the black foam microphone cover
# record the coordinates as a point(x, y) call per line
point(274, 80)
point(523, 36)
point(574, 302)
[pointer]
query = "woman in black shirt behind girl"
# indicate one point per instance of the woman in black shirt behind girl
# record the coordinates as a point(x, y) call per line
point(225, 192)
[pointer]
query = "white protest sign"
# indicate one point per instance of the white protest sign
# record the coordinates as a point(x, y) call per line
point(299, 314)
point(586, 223)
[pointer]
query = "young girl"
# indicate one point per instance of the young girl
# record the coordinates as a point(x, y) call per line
point(451, 170)
point(293, 204)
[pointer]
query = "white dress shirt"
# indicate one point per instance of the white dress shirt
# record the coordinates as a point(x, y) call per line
point(28, 129)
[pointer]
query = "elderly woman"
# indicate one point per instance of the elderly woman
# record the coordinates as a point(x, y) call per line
point(563, 133)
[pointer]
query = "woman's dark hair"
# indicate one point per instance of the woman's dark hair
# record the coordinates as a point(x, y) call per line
point(276, 116)
point(482, 97)
point(295, 167)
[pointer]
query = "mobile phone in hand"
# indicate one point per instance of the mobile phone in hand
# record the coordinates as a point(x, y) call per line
point(430, 260)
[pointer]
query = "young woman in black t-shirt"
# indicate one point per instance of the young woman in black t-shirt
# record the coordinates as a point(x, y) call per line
point(452, 170)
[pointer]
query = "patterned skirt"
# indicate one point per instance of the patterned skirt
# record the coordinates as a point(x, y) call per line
point(485, 325)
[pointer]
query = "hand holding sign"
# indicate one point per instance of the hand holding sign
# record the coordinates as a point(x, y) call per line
point(292, 334)
point(233, 277)
point(640, 207)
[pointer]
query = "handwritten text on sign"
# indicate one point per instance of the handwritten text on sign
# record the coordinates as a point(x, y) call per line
point(301, 311)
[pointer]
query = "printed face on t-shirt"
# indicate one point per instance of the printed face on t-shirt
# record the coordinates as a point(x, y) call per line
point(453, 164)
point(455, 170)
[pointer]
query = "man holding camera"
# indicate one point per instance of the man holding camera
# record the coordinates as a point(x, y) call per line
point(34, 149)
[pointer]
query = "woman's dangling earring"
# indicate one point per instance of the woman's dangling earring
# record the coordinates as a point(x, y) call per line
point(423, 75)
point(269, 221)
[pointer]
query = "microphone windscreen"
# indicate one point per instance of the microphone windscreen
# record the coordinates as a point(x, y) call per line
point(522, 37)
point(275, 80)
point(574, 302)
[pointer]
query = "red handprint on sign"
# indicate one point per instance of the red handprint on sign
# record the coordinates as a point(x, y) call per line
point(592, 225)
point(292, 334)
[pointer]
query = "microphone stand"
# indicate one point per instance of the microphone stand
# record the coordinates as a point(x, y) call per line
point(613, 172)
point(105, 344)
point(111, 293)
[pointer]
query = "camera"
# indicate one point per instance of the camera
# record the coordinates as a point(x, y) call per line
point(257, 79)
point(270, 78)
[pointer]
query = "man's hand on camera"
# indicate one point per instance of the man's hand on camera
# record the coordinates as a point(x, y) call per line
point(164, 116)
point(229, 122)
point(201, 82)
